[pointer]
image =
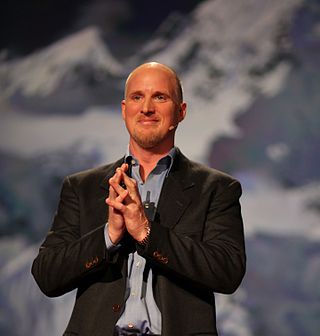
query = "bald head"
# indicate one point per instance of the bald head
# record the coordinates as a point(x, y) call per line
point(161, 67)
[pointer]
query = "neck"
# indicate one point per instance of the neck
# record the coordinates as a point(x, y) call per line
point(148, 157)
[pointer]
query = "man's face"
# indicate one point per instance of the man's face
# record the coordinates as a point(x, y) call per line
point(150, 107)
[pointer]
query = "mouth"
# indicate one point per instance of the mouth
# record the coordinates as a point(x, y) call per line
point(148, 122)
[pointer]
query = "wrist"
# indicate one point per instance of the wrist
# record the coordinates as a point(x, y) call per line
point(144, 239)
point(115, 235)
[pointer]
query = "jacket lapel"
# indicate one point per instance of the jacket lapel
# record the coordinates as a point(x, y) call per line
point(109, 173)
point(176, 194)
point(103, 193)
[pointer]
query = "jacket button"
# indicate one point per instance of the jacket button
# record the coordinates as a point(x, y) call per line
point(116, 307)
point(164, 260)
point(88, 264)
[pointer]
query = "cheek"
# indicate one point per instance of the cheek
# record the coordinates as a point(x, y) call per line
point(174, 118)
point(170, 114)
point(129, 115)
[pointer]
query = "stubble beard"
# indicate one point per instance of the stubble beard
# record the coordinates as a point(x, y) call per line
point(149, 140)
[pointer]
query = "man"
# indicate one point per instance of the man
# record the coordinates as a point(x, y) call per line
point(147, 252)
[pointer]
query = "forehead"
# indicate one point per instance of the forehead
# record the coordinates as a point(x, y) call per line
point(151, 78)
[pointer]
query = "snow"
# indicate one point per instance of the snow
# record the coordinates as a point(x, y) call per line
point(27, 136)
point(42, 72)
point(268, 208)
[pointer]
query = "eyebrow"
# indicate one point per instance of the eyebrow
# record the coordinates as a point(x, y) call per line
point(161, 93)
point(135, 93)
point(156, 93)
point(132, 95)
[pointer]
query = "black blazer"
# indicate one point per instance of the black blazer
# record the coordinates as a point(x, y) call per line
point(196, 248)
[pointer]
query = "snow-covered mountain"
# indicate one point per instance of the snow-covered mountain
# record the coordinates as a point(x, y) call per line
point(65, 77)
point(41, 73)
point(217, 53)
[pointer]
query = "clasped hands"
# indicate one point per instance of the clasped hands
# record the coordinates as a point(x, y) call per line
point(126, 212)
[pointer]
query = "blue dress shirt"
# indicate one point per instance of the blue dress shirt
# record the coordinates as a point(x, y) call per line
point(141, 311)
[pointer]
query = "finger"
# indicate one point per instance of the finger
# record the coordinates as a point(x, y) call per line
point(117, 177)
point(122, 196)
point(124, 167)
point(115, 204)
point(118, 189)
point(121, 172)
point(112, 193)
point(132, 187)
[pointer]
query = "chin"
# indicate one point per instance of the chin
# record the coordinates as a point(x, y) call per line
point(148, 141)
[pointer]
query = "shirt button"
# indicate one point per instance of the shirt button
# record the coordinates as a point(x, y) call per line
point(130, 325)
point(133, 293)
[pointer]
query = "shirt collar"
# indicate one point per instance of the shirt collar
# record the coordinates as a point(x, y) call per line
point(165, 163)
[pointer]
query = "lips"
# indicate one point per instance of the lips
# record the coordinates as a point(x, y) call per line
point(148, 121)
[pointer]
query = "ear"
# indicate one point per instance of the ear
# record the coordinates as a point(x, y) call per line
point(123, 109)
point(182, 111)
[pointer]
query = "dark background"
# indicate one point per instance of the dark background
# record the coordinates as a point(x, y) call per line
point(30, 25)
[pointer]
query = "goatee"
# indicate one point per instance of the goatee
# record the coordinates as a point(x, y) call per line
point(147, 141)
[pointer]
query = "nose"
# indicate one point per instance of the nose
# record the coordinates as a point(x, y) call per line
point(148, 106)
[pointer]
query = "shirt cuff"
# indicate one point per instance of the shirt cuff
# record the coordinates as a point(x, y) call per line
point(109, 244)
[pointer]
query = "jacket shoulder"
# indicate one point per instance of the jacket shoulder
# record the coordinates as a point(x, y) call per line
point(202, 171)
point(94, 175)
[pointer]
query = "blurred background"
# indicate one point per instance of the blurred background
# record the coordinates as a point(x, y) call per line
point(251, 76)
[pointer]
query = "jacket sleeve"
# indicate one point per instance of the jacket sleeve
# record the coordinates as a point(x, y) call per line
point(66, 256)
point(213, 258)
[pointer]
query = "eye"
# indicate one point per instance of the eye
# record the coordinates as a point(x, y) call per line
point(136, 97)
point(160, 97)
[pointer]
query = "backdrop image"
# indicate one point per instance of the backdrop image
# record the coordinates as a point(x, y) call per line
point(251, 77)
